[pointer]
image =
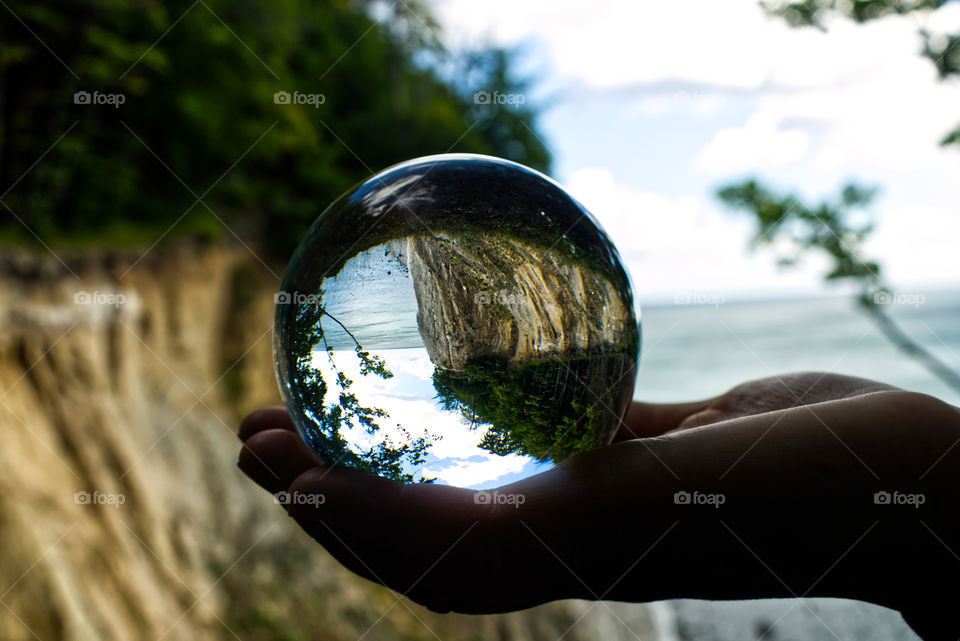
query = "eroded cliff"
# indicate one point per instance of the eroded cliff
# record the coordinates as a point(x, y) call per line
point(123, 376)
point(486, 294)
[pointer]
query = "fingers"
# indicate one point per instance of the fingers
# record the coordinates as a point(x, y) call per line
point(273, 458)
point(418, 539)
point(643, 420)
point(273, 454)
point(707, 416)
point(265, 418)
point(372, 501)
point(408, 537)
point(435, 544)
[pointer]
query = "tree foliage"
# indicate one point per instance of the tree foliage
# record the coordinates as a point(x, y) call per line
point(199, 144)
point(328, 419)
point(549, 410)
point(812, 13)
point(831, 228)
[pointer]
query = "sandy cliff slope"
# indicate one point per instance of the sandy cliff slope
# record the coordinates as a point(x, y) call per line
point(123, 378)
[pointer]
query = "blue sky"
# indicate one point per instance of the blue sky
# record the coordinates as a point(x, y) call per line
point(655, 104)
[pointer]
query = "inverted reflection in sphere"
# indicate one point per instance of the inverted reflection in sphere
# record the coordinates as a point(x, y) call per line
point(456, 319)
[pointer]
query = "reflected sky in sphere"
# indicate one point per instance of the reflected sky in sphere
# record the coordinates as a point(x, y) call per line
point(455, 319)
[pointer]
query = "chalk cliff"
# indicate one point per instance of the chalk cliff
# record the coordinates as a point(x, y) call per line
point(483, 294)
point(123, 376)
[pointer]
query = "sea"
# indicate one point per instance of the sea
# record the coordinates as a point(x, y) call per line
point(698, 350)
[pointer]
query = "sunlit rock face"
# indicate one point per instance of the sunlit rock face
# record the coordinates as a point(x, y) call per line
point(456, 319)
point(488, 295)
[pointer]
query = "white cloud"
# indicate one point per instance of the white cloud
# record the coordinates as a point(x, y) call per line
point(478, 474)
point(877, 100)
point(684, 246)
point(889, 121)
point(455, 456)
point(762, 142)
point(616, 43)
point(676, 246)
point(918, 246)
point(798, 106)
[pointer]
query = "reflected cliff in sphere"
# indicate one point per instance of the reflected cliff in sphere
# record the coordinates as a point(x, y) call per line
point(456, 319)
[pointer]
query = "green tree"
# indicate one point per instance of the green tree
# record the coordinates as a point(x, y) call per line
point(199, 145)
point(549, 409)
point(829, 228)
point(327, 420)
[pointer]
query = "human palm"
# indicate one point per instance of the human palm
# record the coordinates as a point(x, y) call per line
point(767, 490)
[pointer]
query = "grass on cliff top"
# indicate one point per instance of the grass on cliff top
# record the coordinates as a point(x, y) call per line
point(117, 234)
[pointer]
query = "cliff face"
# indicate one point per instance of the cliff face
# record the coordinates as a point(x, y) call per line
point(489, 293)
point(122, 515)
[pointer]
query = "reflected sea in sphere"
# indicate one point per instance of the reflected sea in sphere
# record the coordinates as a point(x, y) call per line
point(456, 319)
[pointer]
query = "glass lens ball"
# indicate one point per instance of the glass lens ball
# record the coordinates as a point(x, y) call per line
point(456, 319)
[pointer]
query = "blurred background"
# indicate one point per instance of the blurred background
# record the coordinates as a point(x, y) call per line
point(780, 178)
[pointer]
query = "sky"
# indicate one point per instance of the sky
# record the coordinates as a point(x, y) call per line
point(651, 106)
point(454, 456)
point(381, 310)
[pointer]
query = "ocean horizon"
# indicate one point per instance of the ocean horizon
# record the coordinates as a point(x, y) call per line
point(700, 349)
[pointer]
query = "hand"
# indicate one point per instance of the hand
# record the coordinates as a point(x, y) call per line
point(780, 475)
